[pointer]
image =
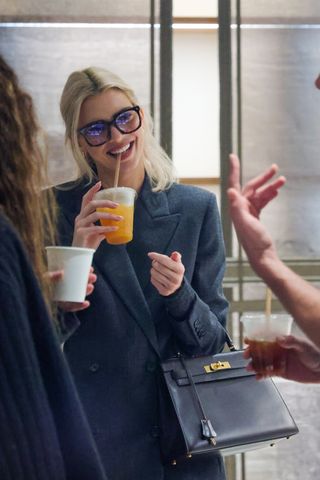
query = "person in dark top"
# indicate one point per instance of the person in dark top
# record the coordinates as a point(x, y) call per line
point(159, 294)
point(44, 434)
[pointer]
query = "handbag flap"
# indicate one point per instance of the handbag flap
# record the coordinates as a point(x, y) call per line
point(208, 368)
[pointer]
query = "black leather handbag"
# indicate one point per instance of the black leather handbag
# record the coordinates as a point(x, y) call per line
point(219, 406)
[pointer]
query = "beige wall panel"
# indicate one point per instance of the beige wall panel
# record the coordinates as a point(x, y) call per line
point(110, 10)
point(281, 11)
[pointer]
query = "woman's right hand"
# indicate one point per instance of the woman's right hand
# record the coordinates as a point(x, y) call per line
point(86, 233)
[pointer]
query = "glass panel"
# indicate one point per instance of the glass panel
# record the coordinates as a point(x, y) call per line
point(196, 103)
point(93, 10)
point(280, 125)
point(195, 89)
point(44, 55)
point(190, 8)
point(280, 11)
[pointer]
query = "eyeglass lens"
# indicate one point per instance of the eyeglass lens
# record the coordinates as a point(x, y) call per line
point(100, 132)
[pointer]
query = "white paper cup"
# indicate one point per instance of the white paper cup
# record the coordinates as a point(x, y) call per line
point(75, 263)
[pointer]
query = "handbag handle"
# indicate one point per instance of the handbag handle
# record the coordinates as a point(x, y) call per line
point(229, 342)
point(207, 429)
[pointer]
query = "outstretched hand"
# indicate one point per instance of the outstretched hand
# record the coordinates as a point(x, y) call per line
point(256, 193)
point(246, 205)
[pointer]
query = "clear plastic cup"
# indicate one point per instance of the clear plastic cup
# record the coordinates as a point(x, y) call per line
point(125, 196)
point(261, 332)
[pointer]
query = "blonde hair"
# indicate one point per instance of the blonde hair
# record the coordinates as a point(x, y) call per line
point(93, 81)
point(23, 172)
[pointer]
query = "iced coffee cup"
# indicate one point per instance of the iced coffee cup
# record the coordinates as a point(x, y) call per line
point(75, 263)
point(261, 332)
point(125, 197)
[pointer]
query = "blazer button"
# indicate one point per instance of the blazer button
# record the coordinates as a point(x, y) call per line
point(151, 367)
point(94, 367)
point(155, 431)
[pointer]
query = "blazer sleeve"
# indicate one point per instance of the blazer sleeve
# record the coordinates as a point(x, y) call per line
point(198, 310)
point(67, 323)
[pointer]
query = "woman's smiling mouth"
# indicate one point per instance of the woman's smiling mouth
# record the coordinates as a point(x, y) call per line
point(121, 151)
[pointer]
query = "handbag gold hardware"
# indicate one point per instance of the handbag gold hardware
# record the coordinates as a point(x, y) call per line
point(174, 461)
point(213, 367)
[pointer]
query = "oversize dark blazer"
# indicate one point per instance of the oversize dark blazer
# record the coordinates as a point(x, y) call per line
point(114, 353)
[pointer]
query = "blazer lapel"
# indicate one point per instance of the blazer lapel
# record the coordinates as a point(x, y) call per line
point(154, 229)
point(163, 223)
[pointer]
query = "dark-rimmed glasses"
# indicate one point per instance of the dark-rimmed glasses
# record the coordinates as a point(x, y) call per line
point(99, 132)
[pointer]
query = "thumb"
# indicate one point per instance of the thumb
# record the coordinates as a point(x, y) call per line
point(176, 256)
point(289, 342)
point(54, 276)
point(232, 194)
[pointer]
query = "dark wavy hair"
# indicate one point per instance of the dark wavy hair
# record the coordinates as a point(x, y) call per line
point(23, 171)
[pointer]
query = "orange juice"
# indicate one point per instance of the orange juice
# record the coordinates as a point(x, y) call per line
point(124, 233)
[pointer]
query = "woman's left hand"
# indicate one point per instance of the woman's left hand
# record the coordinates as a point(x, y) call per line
point(74, 306)
point(166, 272)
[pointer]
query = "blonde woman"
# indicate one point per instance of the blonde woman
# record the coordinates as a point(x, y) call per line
point(43, 432)
point(159, 294)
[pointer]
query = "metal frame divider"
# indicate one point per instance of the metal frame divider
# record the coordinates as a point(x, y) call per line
point(225, 77)
point(152, 58)
point(226, 147)
point(166, 76)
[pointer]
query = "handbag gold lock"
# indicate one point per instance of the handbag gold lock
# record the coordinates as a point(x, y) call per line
point(213, 367)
